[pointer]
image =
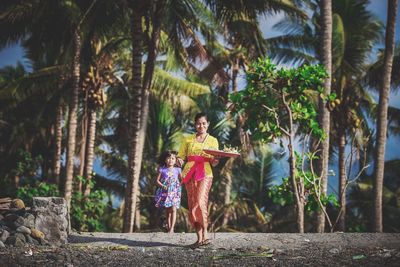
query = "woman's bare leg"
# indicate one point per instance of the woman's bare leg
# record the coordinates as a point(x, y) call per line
point(203, 192)
point(199, 233)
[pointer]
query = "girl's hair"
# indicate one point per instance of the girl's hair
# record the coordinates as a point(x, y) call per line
point(200, 115)
point(166, 154)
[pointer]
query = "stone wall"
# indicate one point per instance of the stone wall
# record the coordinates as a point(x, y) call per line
point(52, 218)
point(45, 223)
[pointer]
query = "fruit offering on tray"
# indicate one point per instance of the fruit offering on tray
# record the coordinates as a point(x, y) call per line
point(226, 152)
point(231, 149)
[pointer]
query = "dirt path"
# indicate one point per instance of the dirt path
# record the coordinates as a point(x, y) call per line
point(227, 249)
point(240, 240)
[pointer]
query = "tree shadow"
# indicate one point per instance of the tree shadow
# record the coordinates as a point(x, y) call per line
point(120, 241)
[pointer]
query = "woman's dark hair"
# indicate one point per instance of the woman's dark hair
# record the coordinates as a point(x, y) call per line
point(200, 115)
point(166, 154)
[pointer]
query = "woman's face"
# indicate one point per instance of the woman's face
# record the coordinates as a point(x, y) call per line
point(201, 125)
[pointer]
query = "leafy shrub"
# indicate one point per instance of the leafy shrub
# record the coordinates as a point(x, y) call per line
point(36, 188)
point(87, 212)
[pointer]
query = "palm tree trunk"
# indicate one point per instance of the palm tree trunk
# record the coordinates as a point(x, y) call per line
point(342, 177)
point(326, 56)
point(382, 116)
point(141, 115)
point(137, 215)
point(235, 71)
point(134, 121)
point(82, 150)
point(72, 123)
point(57, 145)
point(89, 158)
point(229, 164)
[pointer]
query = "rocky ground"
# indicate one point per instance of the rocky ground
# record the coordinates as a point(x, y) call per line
point(227, 249)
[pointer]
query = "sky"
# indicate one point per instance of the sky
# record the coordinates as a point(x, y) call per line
point(10, 56)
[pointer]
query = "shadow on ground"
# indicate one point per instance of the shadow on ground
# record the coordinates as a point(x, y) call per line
point(120, 241)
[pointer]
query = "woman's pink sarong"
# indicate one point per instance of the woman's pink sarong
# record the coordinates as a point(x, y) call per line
point(198, 187)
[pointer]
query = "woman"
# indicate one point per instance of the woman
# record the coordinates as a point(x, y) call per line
point(197, 175)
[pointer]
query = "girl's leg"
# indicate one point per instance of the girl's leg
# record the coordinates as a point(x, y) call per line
point(169, 215)
point(173, 219)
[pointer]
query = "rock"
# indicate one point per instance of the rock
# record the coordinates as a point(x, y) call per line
point(2, 244)
point(24, 230)
point(20, 236)
point(15, 241)
point(52, 218)
point(11, 217)
point(4, 235)
point(31, 240)
point(37, 234)
point(334, 251)
point(29, 220)
point(18, 222)
point(17, 204)
point(43, 242)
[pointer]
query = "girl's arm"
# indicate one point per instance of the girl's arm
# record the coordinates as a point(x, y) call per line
point(159, 182)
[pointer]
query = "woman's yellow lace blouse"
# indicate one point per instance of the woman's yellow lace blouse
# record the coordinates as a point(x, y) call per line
point(191, 147)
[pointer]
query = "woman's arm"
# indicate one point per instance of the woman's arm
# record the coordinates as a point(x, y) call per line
point(179, 162)
point(215, 160)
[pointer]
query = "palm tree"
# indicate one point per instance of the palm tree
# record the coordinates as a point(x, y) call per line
point(382, 115)
point(19, 94)
point(324, 114)
point(356, 31)
point(179, 20)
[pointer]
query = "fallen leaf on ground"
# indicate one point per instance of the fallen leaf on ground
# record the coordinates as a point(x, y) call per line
point(358, 257)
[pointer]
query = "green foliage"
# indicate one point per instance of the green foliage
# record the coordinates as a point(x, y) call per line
point(270, 92)
point(275, 101)
point(36, 189)
point(26, 165)
point(282, 195)
point(87, 212)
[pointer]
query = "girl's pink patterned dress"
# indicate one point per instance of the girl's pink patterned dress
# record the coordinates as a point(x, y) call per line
point(170, 197)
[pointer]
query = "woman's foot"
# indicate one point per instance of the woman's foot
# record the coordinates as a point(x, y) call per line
point(195, 244)
point(205, 242)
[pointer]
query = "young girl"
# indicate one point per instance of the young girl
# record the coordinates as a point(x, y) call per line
point(168, 195)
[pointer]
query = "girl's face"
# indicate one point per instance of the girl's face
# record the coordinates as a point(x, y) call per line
point(170, 161)
point(201, 125)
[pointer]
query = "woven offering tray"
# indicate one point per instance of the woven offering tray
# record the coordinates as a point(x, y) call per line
point(221, 153)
